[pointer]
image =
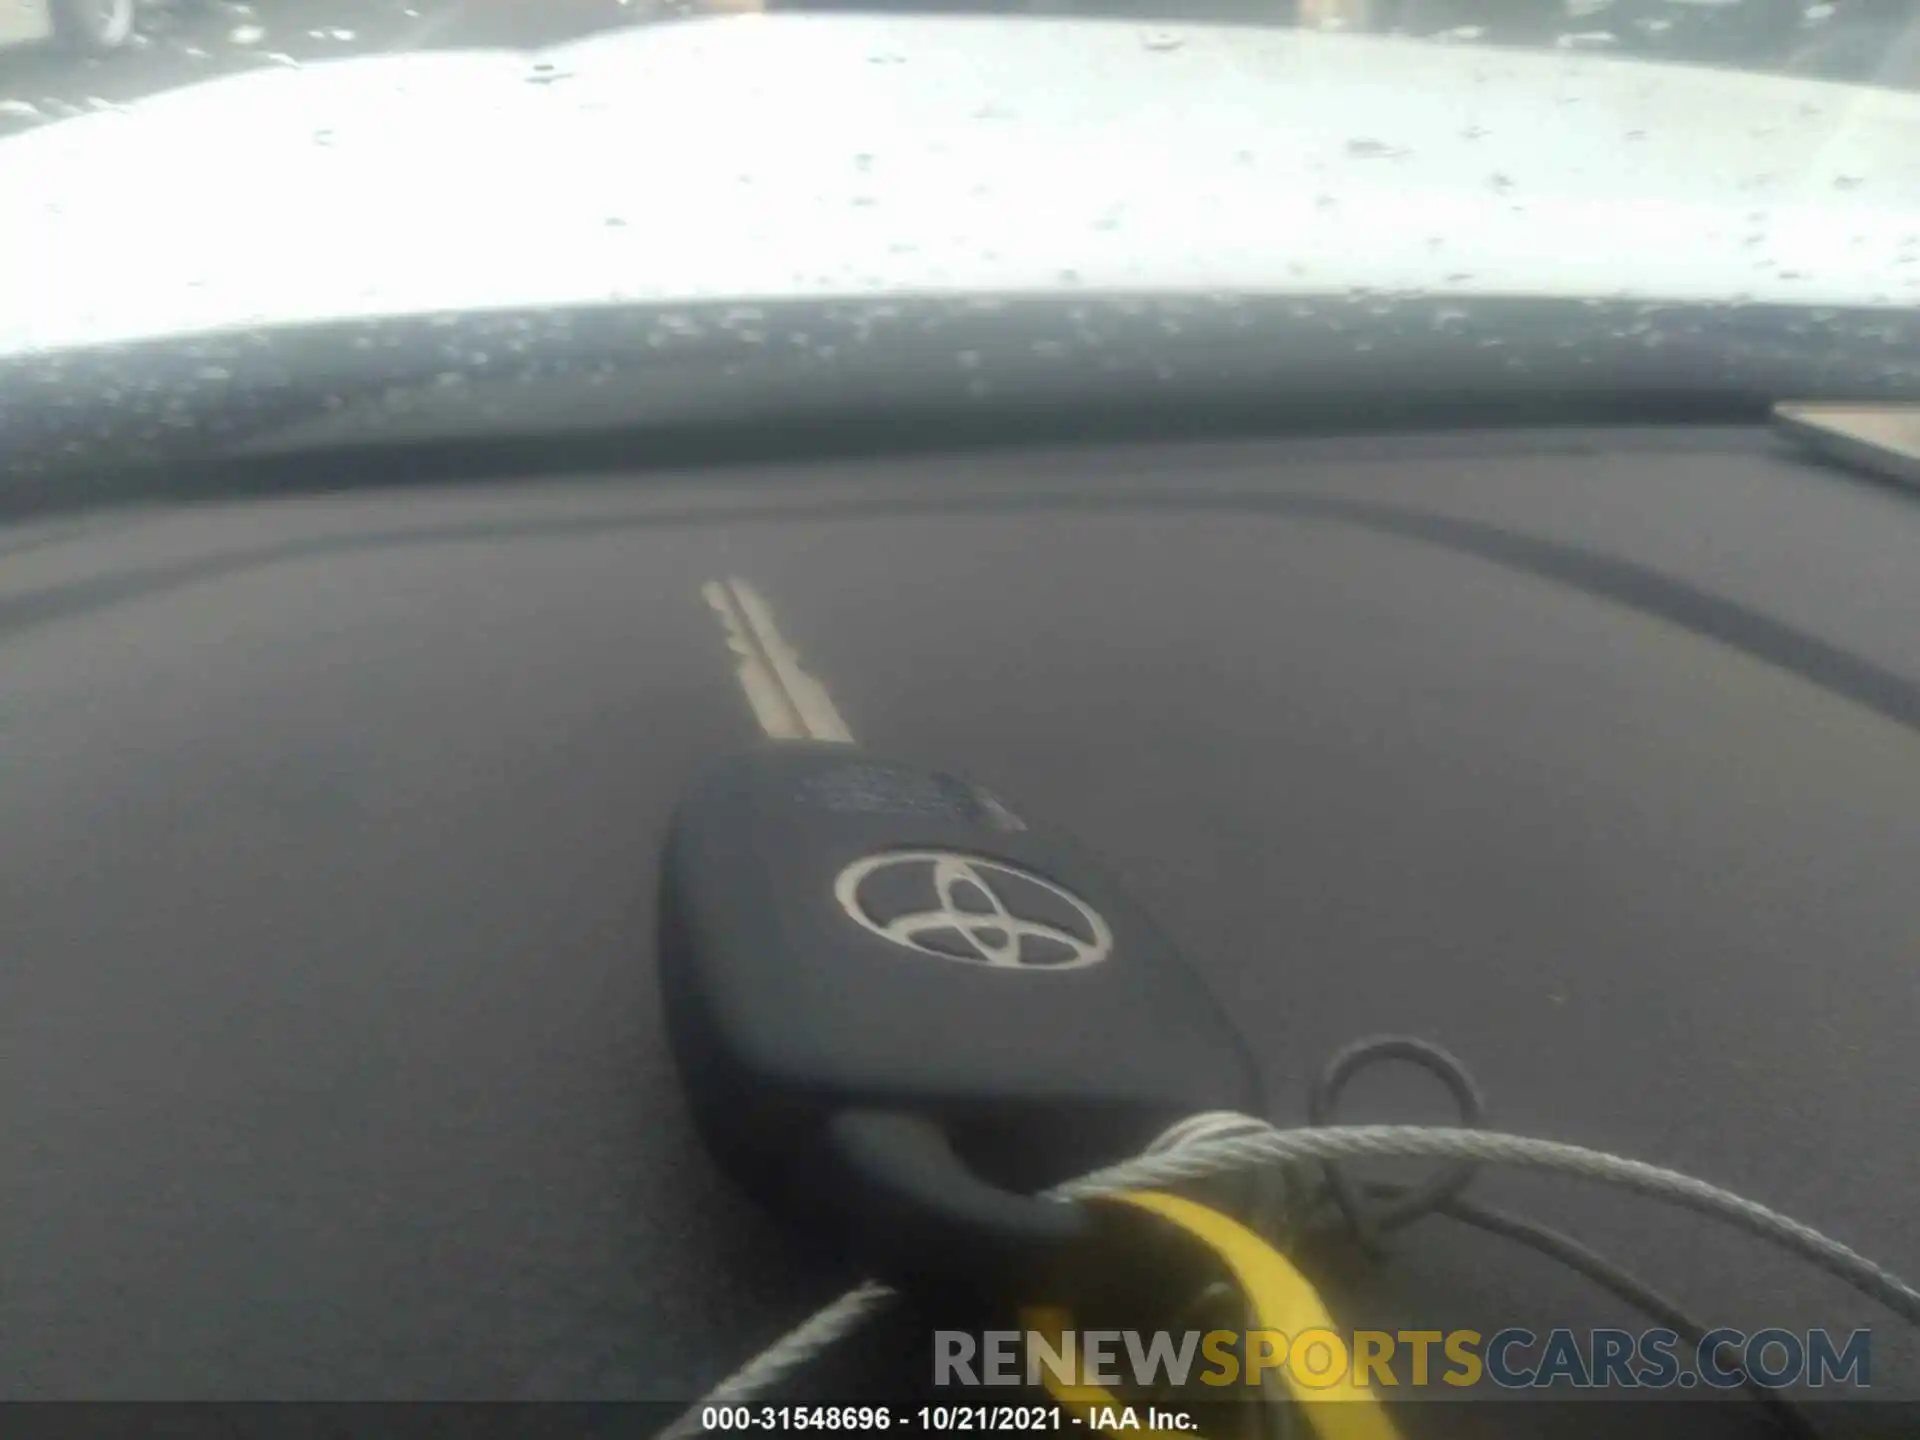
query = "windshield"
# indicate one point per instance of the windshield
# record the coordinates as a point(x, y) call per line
point(1731, 189)
point(70, 57)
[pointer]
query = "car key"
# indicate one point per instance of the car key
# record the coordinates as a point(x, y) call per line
point(900, 1008)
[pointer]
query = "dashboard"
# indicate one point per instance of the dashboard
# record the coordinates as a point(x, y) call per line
point(334, 1060)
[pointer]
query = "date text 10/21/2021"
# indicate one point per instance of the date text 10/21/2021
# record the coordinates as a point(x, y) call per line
point(997, 1419)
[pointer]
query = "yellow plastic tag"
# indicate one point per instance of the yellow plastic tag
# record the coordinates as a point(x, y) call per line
point(1280, 1299)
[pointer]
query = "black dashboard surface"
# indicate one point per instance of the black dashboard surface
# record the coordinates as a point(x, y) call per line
point(333, 1063)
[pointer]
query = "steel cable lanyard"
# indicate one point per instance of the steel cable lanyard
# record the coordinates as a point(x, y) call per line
point(940, 1036)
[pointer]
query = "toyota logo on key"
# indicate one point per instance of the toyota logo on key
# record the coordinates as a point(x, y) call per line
point(980, 912)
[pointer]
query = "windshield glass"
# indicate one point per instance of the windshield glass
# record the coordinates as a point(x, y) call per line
point(1731, 188)
point(60, 58)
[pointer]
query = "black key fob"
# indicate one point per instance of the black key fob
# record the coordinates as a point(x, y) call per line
point(901, 1007)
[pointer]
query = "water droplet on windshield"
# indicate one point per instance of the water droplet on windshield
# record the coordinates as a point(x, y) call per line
point(1847, 182)
point(246, 35)
point(323, 137)
point(1162, 40)
point(1501, 183)
point(1364, 149)
point(1069, 277)
point(1474, 132)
